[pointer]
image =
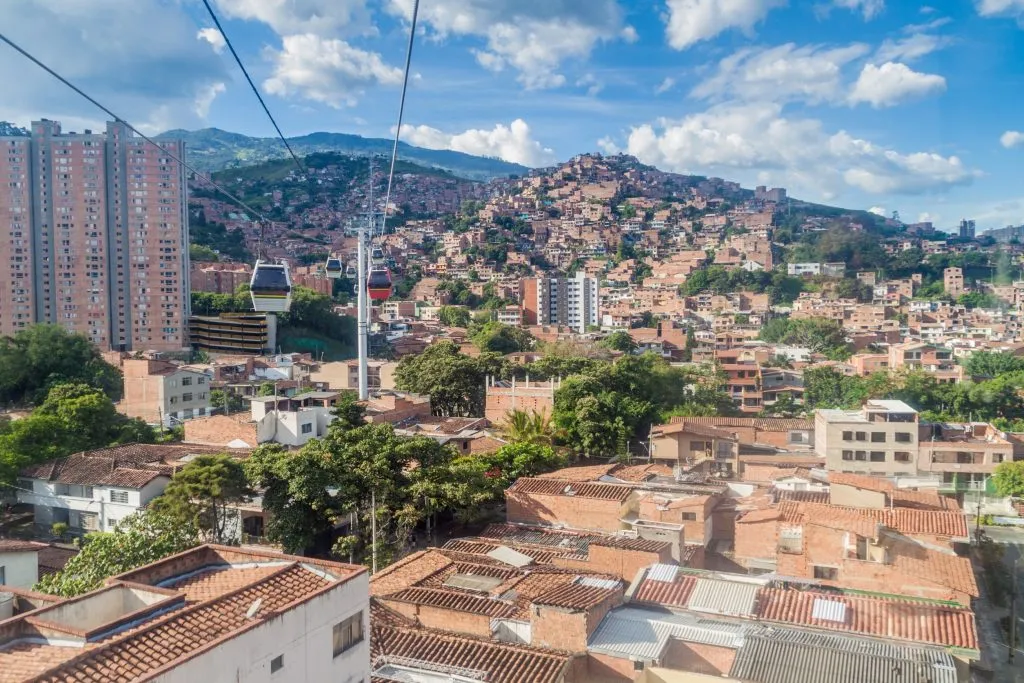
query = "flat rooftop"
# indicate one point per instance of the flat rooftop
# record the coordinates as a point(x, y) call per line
point(149, 620)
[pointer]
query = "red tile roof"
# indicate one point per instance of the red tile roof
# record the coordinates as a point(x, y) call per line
point(503, 663)
point(158, 644)
point(562, 487)
point(771, 424)
point(575, 596)
point(456, 601)
point(130, 466)
point(675, 593)
point(585, 473)
point(862, 520)
point(11, 545)
point(885, 617)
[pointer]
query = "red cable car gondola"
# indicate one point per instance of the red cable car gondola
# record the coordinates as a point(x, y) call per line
point(378, 284)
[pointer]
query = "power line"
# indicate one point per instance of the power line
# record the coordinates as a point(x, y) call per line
point(252, 85)
point(401, 112)
point(130, 127)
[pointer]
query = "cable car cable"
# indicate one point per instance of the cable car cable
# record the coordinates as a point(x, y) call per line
point(130, 127)
point(401, 112)
point(252, 85)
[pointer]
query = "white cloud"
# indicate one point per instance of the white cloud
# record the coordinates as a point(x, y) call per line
point(512, 143)
point(142, 38)
point(213, 37)
point(925, 217)
point(992, 8)
point(730, 139)
point(326, 70)
point(323, 17)
point(1011, 139)
point(608, 146)
point(869, 8)
point(665, 86)
point(205, 98)
point(878, 211)
point(590, 82)
point(812, 73)
point(691, 21)
point(533, 37)
point(893, 82)
point(912, 47)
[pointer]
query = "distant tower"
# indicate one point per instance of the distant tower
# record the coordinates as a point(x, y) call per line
point(967, 229)
point(953, 281)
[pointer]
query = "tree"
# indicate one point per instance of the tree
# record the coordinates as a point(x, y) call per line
point(74, 417)
point(784, 406)
point(619, 341)
point(349, 413)
point(139, 539)
point(528, 427)
point(992, 364)
point(820, 335)
point(40, 356)
point(496, 337)
point(454, 381)
point(224, 400)
point(1008, 478)
point(454, 316)
point(201, 493)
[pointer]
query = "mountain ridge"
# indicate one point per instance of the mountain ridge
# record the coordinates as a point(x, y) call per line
point(215, 149)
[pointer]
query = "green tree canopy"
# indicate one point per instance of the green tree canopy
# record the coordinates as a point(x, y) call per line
point(495, 337)
point(41, 356)
point(1008, 478)
point(454, 316)
point(454, 381)
point(992, 364)
point(138, 539)
point(200, 493)
point(820, 335)
point(619, 341)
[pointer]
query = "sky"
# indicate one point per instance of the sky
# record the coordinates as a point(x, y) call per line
point(884, 105)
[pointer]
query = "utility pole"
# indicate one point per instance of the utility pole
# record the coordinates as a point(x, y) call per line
point(1013, 610)
point(373, 530)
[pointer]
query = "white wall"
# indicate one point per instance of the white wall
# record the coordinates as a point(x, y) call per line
point(21, 570)
point(304, 636)
point(109, 513)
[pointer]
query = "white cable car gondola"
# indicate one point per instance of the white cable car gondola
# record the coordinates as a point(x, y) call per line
point(377, 256)
point(333, 267)
point(270, 288)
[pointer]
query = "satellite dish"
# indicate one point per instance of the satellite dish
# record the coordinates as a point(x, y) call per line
point(253, 608)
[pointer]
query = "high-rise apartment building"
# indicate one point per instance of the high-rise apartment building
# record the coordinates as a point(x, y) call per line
point(572, 301)
point(97, 236)
point(967, 229)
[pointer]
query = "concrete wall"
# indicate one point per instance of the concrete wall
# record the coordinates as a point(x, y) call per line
point(20, 570)
point(303, 635)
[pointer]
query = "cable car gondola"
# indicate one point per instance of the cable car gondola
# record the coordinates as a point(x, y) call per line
point(377, 255)
point(378, 284)
point(270, 288)
point(333, 267)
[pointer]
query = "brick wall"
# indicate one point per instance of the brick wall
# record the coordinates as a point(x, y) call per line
point(607, 668)
point(698, 658)
point(444, 619)
point(567, 629)
point(609, 560)
point(572, 511)
point(756, 540)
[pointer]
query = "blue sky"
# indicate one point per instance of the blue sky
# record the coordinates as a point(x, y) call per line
point(861, 103)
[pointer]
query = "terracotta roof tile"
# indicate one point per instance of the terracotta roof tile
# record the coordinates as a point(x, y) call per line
point(12, 545)
point(408, 572)
point(575, 596)
point(861, 481)
point(773, 424)
point(884, 617)
point(585, 473)
point(562, 487)
point(503, 663)
point(674, 593)
point(456, 601)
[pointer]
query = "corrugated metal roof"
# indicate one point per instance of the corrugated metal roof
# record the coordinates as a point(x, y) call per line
point(509, 556)
point(771, 660)
point(642, 634)
point(595, 582)
point(662, 572)
point(723, 597)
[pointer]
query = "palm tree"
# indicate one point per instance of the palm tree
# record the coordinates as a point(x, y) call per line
point(521, 426)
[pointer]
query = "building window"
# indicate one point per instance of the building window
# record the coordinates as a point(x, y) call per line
point(3, 575)
point(700, 446)
point(186, 381)
point(119, 497)
point(201, 380)
point(307, 428)
point(877, 456)
point(348, 633)
point(902, 456)
point(689, 516)
point(276, 664)
point(186, 397)
point(847, 455)
point(877, 437)
point(903, 437)
point(826, 573)
point(860, 455)
point(847, 436)
point(861, 436)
